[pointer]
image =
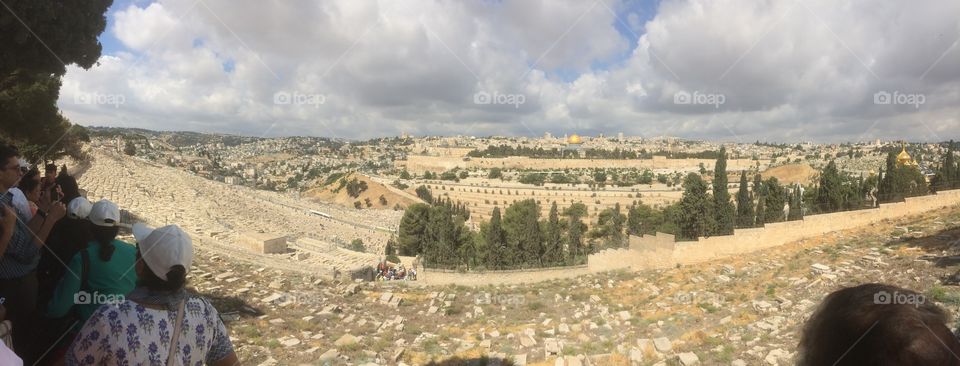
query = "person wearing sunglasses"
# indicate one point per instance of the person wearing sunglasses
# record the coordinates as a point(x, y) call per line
point(20, 244)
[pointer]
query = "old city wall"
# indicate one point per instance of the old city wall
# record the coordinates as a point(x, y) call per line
point(661, 251)
point(419, 164)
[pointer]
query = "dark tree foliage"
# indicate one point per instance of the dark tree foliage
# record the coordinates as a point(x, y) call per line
point(694, 208)
point(900, 181)
point(724, 211)
point(830, 192)
point(424, 193)
point(948, 173)
point(745, 213)
point(775, 199)
point(38, 39)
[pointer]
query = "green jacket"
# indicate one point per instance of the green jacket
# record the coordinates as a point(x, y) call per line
point(107, 281)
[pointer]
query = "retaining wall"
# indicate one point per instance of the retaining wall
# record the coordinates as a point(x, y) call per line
point(661, 251)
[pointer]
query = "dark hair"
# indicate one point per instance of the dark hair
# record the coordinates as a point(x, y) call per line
point(50, 167)
point(7, 152)
point(176, 278)
point(29, 181)
point(69, 187)
point(876, 324)
point(105, 235)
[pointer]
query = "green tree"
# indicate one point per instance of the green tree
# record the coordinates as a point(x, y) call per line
point(796, 205)
point(724, 212)
point(495, 173)
point(744, 203)
point(830, 195)
point(634, 223)
point(522, 227)
point(575, 229)
point(496, 241)
point(424, 193)
point(554, 242)
point(774, 200)
point(357, 246)
point(610, 227)
point(900, 181)
point(413, 227)
point(694, 208)
point(38, 39)
point(948, 174)
point(761, 201)
point(391, 248)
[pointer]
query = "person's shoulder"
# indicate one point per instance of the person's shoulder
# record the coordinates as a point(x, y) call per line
point(124, 246)
point(203, 303)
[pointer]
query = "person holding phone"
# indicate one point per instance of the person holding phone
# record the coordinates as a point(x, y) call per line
point(21, 252)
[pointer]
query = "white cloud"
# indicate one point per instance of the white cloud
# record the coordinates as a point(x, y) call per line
point(787, 70)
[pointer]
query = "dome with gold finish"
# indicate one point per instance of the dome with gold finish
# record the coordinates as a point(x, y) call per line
point(904, 158)
point(574, 139)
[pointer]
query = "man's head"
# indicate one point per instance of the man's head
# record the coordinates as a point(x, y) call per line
point(10, 171)
point(50, 170)
point(876, 324)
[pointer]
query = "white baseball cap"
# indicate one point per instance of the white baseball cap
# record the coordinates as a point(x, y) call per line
point(79, 208)
point(104, 213)
point(163, 248)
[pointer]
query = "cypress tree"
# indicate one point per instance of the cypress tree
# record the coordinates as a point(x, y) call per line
point(575, 231)
point(554, 243)
point(744, 203)
point(830, 197)
point(694, 208)
point(724, 212)
point(496, 241)
point(412, 232)
point(761, 201)
point(774, 199)
point(633, 221)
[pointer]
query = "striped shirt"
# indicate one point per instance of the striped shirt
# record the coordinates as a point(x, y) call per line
point(22, 255)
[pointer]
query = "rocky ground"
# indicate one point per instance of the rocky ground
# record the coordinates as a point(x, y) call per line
point(738, 311)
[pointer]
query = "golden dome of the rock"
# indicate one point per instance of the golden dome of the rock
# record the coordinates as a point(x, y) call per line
point(574, 139)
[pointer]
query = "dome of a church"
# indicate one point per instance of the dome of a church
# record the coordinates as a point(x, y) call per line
point(904, 158)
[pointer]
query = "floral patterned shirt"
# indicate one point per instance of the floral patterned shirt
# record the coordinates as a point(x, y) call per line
point(129, 334)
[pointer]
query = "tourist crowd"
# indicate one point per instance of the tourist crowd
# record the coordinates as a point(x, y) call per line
point(72, 293)
point(388, 271)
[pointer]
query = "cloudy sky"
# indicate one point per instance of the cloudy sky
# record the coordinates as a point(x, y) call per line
point(730, 70)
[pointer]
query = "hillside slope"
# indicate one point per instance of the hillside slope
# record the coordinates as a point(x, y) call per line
point(353, 189)
point(792, 173)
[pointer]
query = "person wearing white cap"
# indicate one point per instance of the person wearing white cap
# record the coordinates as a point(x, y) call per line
point(195, 334)
point(69, 236)
point(105, 266)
